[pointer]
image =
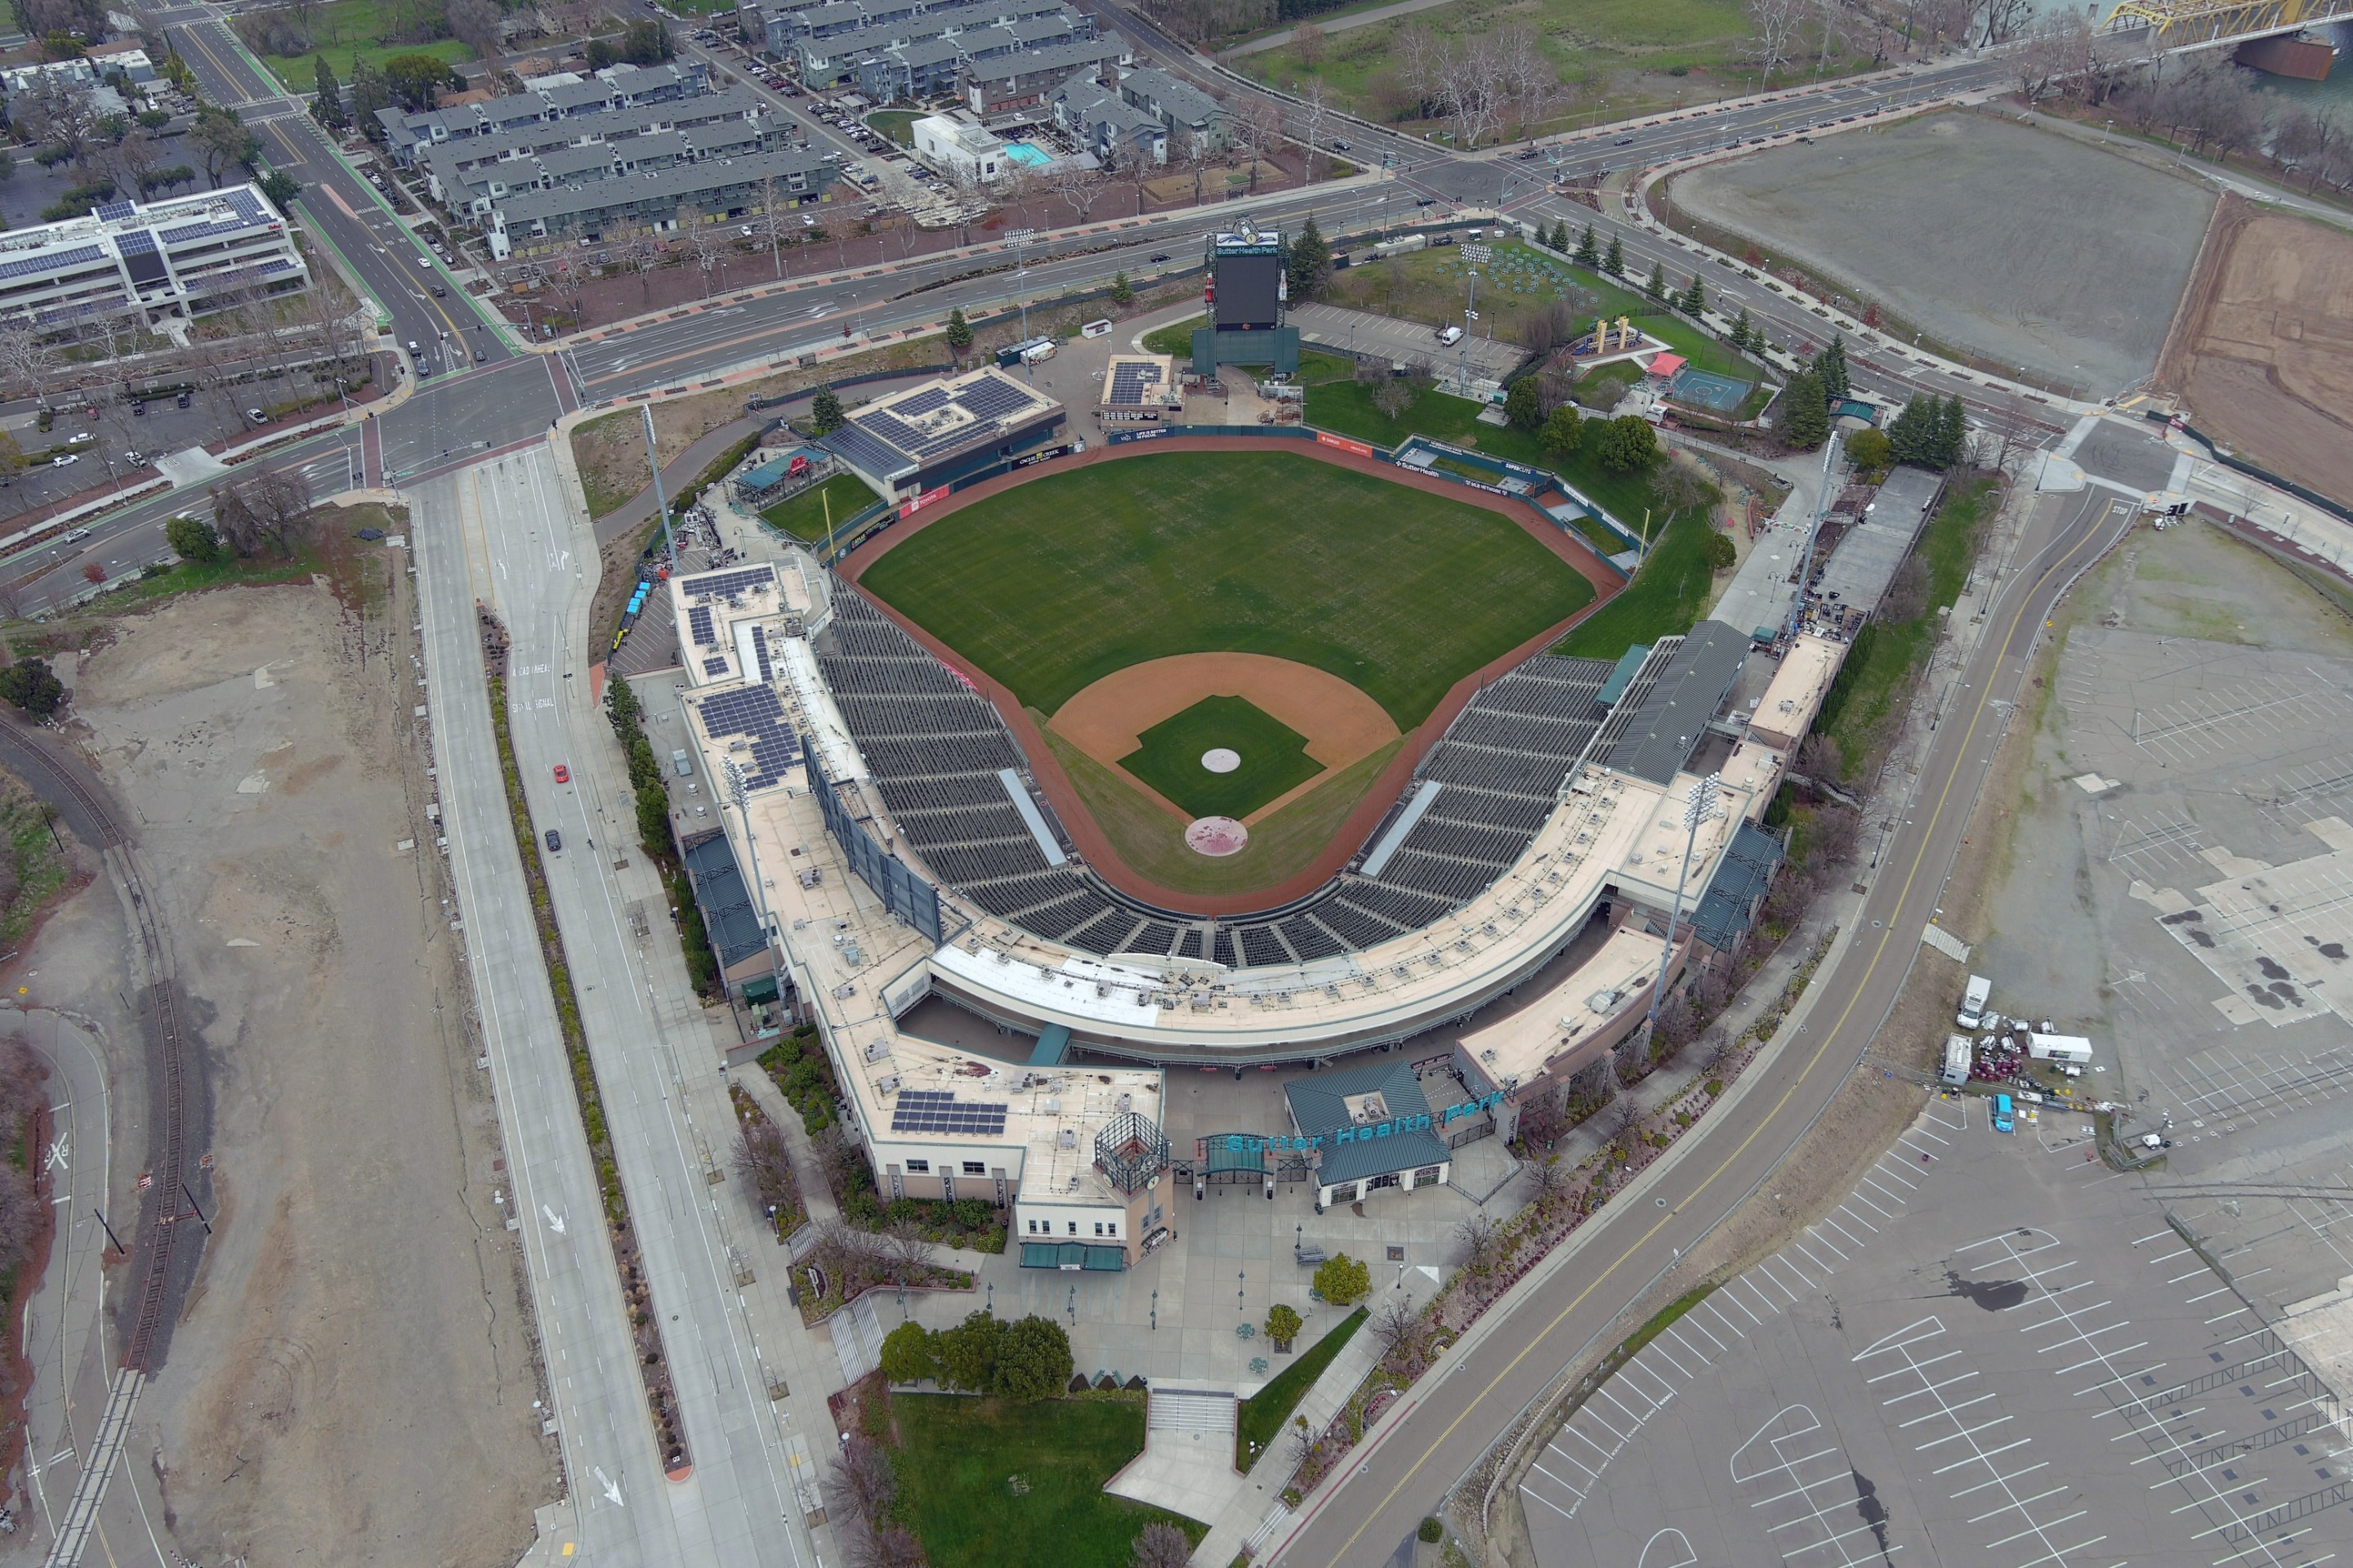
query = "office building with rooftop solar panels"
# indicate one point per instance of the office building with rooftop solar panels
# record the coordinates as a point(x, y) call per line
point(146, 260)
point(914, 443)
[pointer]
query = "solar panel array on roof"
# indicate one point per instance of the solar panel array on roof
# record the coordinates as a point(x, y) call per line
point(113, 211)
point(726, 584)
point(1129, 382)
point(50, 263)
point(754, 712)
point(717, 666)
point(861, 449)
point(760, 652)
point(920, 402)
point(935, 1110)
point(699, 625)
point(132, 241)
point(995, 399)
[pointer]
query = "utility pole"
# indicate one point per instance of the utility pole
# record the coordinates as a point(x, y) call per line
point(653, 460)
point(1703, 806)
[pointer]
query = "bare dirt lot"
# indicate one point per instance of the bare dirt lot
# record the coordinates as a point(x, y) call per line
point(2264, 356)
point(352, 1377)
point(2031, 248)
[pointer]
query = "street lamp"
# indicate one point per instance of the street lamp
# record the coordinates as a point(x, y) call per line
point(1703, 806)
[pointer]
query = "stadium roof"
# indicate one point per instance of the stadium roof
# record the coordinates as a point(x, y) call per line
point(1675, 712)
point(1729, 904)
point(1865, 561)
point(933, 422)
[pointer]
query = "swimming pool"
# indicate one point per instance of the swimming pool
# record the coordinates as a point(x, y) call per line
point(1027, 156)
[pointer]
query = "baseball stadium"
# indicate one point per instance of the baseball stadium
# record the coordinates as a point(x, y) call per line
point(1208, 752)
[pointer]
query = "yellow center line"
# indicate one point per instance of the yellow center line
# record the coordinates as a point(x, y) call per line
point(1977, 716)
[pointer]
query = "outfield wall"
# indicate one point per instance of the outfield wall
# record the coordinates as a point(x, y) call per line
point(1093, 844)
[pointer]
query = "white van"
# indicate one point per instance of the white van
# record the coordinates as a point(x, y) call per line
point(1973, 1002)
point(1450, 335)
point(1037, 352)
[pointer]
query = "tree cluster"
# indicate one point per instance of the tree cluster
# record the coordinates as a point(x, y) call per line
point(33, 686)
point(265, 508)
point(22, 1211)
point(1026, 1360)
point(1479, 82)
point(1931, 432)
point(1341, 1279)
point(643, 43)
point(871, 1538)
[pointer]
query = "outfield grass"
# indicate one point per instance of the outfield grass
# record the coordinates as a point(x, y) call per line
point(1176, 338)
point(1273, 757)
point(1055, 584)
point(985, 1482)
point(1263, 1414)
point(1151, 843)
point(1879, 666)
point(804, 516)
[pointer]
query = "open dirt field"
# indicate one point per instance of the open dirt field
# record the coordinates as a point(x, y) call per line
point(352, 1377)
point(1341, 723)
point(2032, 249)
point(2264, 356)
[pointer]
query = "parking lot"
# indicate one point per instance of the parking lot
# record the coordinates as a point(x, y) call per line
point(1995, 1351)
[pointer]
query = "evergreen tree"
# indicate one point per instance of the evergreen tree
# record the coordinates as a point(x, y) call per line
point(1952, 433)
point(1522, 404)
point(1912, 434)
point(1744, 332)
point(825, 412)
point(1806, 416)
point(371, 91)
point(1831, 365)
point(1122, 292)
point(1613, 260)
point(960, 332)
point(1564, 433)
point(1657, 286)
point(1558, 237)
point(327, 107)
point(1311, 262)
point(1589, 248)
point(1629, 443)
point(1695, 299)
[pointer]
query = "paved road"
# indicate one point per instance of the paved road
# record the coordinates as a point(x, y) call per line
point(529, 553)
point(618, 1508)
point(1457, 1415)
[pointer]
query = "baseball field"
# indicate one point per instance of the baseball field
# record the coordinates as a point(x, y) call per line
point(1235, 633)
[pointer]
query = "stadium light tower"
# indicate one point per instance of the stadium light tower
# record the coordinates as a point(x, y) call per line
point(1813, 532)
point(1021, 238)
point(1706, 805)
point(740, 793)
point(653, 460)
point(1477, 256)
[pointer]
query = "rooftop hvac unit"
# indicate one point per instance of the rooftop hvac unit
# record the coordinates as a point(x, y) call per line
point(1126, 1101)
point(1070, 1137)
point(889, 1085)
point(1053, 1108)
point(877, 1049)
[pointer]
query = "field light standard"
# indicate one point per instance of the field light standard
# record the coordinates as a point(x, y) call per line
point(740, 793)
point(1705, 806)
point(1477, 256)
point(653, 460)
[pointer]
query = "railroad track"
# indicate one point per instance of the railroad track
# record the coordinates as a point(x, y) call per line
point(158, 1227)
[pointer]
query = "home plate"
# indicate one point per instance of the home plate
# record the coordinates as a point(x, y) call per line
point(1215, 836)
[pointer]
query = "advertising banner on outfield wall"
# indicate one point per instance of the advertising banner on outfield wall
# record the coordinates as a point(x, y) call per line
point(919, 502)
point(1324, 439)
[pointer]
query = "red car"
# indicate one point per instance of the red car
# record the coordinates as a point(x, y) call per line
point(563, 774)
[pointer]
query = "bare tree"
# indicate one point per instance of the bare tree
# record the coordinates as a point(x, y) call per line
point(1258, 132)
point(1547, 1176)
point(765, 1161)
point(280, 501)
point(1626, 1126)
point(1773, 24)
point(29, 365)
point(1418, 52)
point(2003, 18)
point(2056, 53)
point(477, 24)
point(1160, 1545)
point(1471, 87)
point(1316, 110)
point(863, 1473)
point(1479, 1235)
point(1132, 165)
point(769, 223)
point(1396, 1324)
point(1527, 78)
point(1079, 188)
point(1307, 41)
point(911, 1254)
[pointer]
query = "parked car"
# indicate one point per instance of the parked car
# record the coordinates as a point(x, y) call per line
point(256, 416)
point(62, 462)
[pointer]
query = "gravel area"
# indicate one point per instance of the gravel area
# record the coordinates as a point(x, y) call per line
point(2027, 247)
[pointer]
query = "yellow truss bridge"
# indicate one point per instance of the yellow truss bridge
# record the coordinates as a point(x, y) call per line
point(2187, 23)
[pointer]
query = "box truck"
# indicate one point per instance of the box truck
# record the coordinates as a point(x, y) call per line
point(1973, 1002)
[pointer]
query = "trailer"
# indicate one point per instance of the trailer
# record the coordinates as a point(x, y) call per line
point(2073, 1049)
point(1973, 1002)
point(1957, 1059)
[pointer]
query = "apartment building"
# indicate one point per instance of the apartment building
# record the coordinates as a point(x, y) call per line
point(652, 201)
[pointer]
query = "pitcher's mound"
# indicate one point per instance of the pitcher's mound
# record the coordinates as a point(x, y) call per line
point(1216, 837)
point(1221, 760)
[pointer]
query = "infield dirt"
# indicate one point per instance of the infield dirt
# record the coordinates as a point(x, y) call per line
point(2263, 351)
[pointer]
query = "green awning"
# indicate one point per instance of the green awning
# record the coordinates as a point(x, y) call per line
point(1075, 1255)
point(761, 989)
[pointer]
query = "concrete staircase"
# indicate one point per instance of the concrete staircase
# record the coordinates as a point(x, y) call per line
point(1192, 1410)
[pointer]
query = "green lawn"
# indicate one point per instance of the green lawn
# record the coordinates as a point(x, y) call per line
point(1175, 338)
point(1631, 56)
point(1263, 1416)
point(1273, 757)
point(1664, 599)
point(1879, 666)
point(983, 1482)
point(1055, 584)
point(899, 124)
point(804, 516)
point(352, 27)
